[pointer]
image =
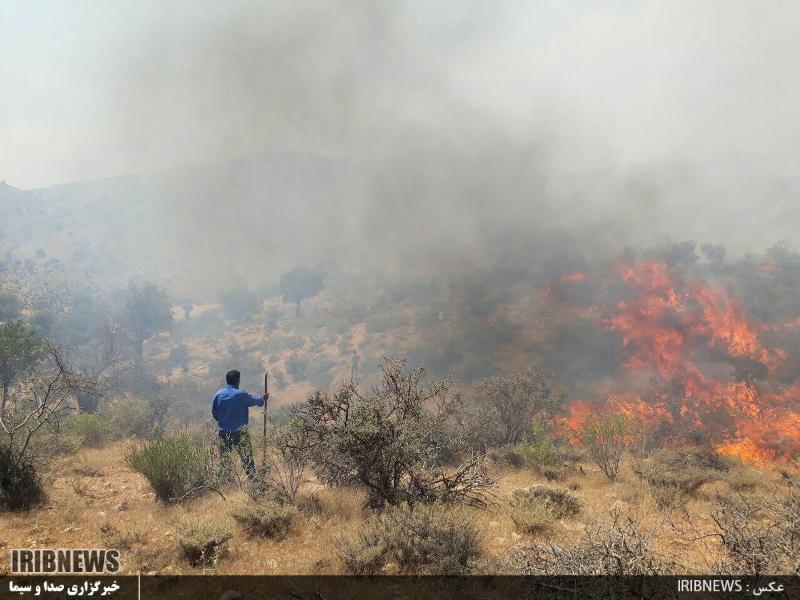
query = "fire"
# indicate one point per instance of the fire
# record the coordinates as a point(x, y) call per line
point(573, 277)
point(689, 335)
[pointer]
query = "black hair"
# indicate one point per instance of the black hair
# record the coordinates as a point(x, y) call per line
point(232, 377)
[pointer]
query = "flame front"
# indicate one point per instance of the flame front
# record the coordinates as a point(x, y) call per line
point(686, 338)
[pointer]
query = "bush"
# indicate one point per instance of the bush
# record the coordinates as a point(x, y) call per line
point(386, 442)
point(92, 430)
point(760, 537)
point(425, 540)
point(618, 547)
point(544, 455)
point(518, 399)
point(559, 503)
point(202, 542)
point(177, 466)
point(606, 437)
point(20, 486)
point(531, 517)
point(143, 419)
point(270, 519)
point(674, 477)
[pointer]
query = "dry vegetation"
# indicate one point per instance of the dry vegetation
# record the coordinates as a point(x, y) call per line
point(95, 499)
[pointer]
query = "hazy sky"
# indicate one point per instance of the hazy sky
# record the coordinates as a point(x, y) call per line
point(91, 89)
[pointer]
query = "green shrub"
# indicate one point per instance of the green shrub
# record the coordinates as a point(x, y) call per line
point(269, 518)
point(202, 542)
point(545, 455)
point(425, 540)
point(177, 466)
point(142, 419)
point(20, 486)
point(91, 430)
point(606, 436)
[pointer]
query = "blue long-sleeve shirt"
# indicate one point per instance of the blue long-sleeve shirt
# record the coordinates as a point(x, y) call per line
point(230, 407)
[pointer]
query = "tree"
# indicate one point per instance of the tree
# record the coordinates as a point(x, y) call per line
point(606, 436)
point(20, 348)
point(520, 398)
point(146, 311)
point(386, 441)
point(239, 303)
point(9, 307)
point(299, 284)
point(40, 399)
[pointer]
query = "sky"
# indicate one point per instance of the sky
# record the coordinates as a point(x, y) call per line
point(94, 89)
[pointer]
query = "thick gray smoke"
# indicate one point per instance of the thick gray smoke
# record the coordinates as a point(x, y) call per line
point(439, 135)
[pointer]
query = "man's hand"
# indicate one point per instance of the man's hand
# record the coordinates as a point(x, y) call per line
point(265, 396)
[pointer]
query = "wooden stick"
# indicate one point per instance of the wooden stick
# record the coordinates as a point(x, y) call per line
point(264, 442)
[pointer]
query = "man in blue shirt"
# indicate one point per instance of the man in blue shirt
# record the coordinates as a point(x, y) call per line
point(230, 410)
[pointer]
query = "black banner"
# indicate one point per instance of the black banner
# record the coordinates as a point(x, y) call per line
point(196, 587)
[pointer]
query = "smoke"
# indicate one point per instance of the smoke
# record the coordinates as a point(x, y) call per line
point(444, 136)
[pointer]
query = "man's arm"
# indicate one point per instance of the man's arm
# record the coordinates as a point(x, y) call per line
point(214, 407)
point(251, 400)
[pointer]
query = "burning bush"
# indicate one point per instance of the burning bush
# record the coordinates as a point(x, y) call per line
point(424, 540)
point(385, 442)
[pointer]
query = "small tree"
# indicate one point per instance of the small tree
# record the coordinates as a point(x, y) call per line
point(146, 311)
point(41, 398)
point(606, 436)
point(239, 303)
point(299, 284)
point(520, 398)
point(9, 307)
point(20, 348)
point(386, 441)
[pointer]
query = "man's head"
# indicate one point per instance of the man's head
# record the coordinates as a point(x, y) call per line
point(232, 377)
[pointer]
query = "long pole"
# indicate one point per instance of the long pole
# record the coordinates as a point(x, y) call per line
point(264, 441)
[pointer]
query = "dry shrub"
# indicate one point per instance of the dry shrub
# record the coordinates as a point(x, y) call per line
point(423, 540)
point(269, 518)
point(618, 547)
point(202, 542)
point(385, 440)
point(20, 484)
point(121, 540)
point(310, 505)
point(674, 477)
point(560, 504)
point(760, 537)
point(531, 517)
point(744, 479)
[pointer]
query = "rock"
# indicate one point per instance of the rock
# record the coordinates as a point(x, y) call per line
point(230, 595)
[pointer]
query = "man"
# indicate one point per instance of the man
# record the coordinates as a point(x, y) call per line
point(230, 410)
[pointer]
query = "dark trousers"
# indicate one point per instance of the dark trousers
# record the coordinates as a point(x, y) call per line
point(238, 440)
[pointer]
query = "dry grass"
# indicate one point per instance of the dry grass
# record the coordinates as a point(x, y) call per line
point(112, 505)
